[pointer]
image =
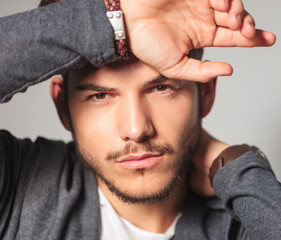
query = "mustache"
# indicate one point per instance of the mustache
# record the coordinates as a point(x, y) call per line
point(133, 148)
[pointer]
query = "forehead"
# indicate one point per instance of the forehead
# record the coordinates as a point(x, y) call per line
point(132, 66)
point(132, 71)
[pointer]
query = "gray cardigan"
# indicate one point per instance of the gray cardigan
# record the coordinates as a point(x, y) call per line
point(38, 44)
point(46, 193)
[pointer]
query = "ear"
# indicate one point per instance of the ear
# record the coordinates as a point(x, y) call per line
point(208, 96)
point(57, 93)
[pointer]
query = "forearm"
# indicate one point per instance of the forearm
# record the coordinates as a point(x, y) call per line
point(252, 194)
point(38, 44)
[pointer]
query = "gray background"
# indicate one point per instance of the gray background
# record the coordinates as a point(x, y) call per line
point(247, 107)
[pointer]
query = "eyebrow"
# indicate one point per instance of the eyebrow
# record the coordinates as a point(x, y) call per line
point(93, 87)
point(156, 80)
point(99, 88)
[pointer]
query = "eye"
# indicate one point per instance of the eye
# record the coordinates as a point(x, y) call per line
point(101, 97)
point(163, 90)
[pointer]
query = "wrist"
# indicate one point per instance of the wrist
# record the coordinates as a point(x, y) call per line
point(225, 157)
point(230, 154)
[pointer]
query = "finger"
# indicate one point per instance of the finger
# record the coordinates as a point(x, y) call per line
point(228, 38)
point(221, 18)
point(232, 13)
point(248, 26)
point(248, 23)
point(236, 14)
point(195, 70)
point(220, 5)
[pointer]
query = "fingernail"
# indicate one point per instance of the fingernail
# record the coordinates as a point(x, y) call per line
point(239, 19)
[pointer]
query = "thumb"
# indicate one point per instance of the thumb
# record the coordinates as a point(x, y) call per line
point(197, 71)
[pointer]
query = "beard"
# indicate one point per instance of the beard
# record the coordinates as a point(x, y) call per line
point(187, 145)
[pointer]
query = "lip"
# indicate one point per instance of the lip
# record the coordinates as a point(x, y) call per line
point(140, 161)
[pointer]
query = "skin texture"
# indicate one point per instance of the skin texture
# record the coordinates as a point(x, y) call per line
point(116, 112)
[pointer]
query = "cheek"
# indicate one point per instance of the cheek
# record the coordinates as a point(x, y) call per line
point(171, 118)
point(93, 129)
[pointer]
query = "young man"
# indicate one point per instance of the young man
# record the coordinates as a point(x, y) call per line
point(139, 132)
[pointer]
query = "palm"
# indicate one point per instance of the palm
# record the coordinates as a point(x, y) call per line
point(162, 32)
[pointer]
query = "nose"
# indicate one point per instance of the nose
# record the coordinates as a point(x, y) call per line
point(134, 120)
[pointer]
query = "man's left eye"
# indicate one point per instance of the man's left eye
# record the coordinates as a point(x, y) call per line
point(162, 88)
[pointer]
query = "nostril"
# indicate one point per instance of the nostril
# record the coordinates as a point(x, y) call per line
point(126, 139)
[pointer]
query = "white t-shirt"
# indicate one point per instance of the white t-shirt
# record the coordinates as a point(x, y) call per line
point(115, 227)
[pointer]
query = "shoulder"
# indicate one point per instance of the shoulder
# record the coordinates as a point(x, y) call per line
point(22, 158)
point(13, 147)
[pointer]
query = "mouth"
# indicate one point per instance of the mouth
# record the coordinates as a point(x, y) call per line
point(140, 161)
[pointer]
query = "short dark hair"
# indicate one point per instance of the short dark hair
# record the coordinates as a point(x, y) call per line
point(47, 2)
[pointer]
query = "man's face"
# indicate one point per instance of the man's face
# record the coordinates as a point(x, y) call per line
point(135, 129)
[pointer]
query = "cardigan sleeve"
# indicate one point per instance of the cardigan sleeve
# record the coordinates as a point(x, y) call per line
point(40, 43)
point(252, 194)
point(13, 172)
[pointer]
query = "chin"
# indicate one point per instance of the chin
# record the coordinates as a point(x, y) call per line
point(144, 189)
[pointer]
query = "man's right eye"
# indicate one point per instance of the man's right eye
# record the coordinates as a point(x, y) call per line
point(99, 97)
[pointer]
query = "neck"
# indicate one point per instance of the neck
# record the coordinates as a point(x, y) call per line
point(153, 217)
